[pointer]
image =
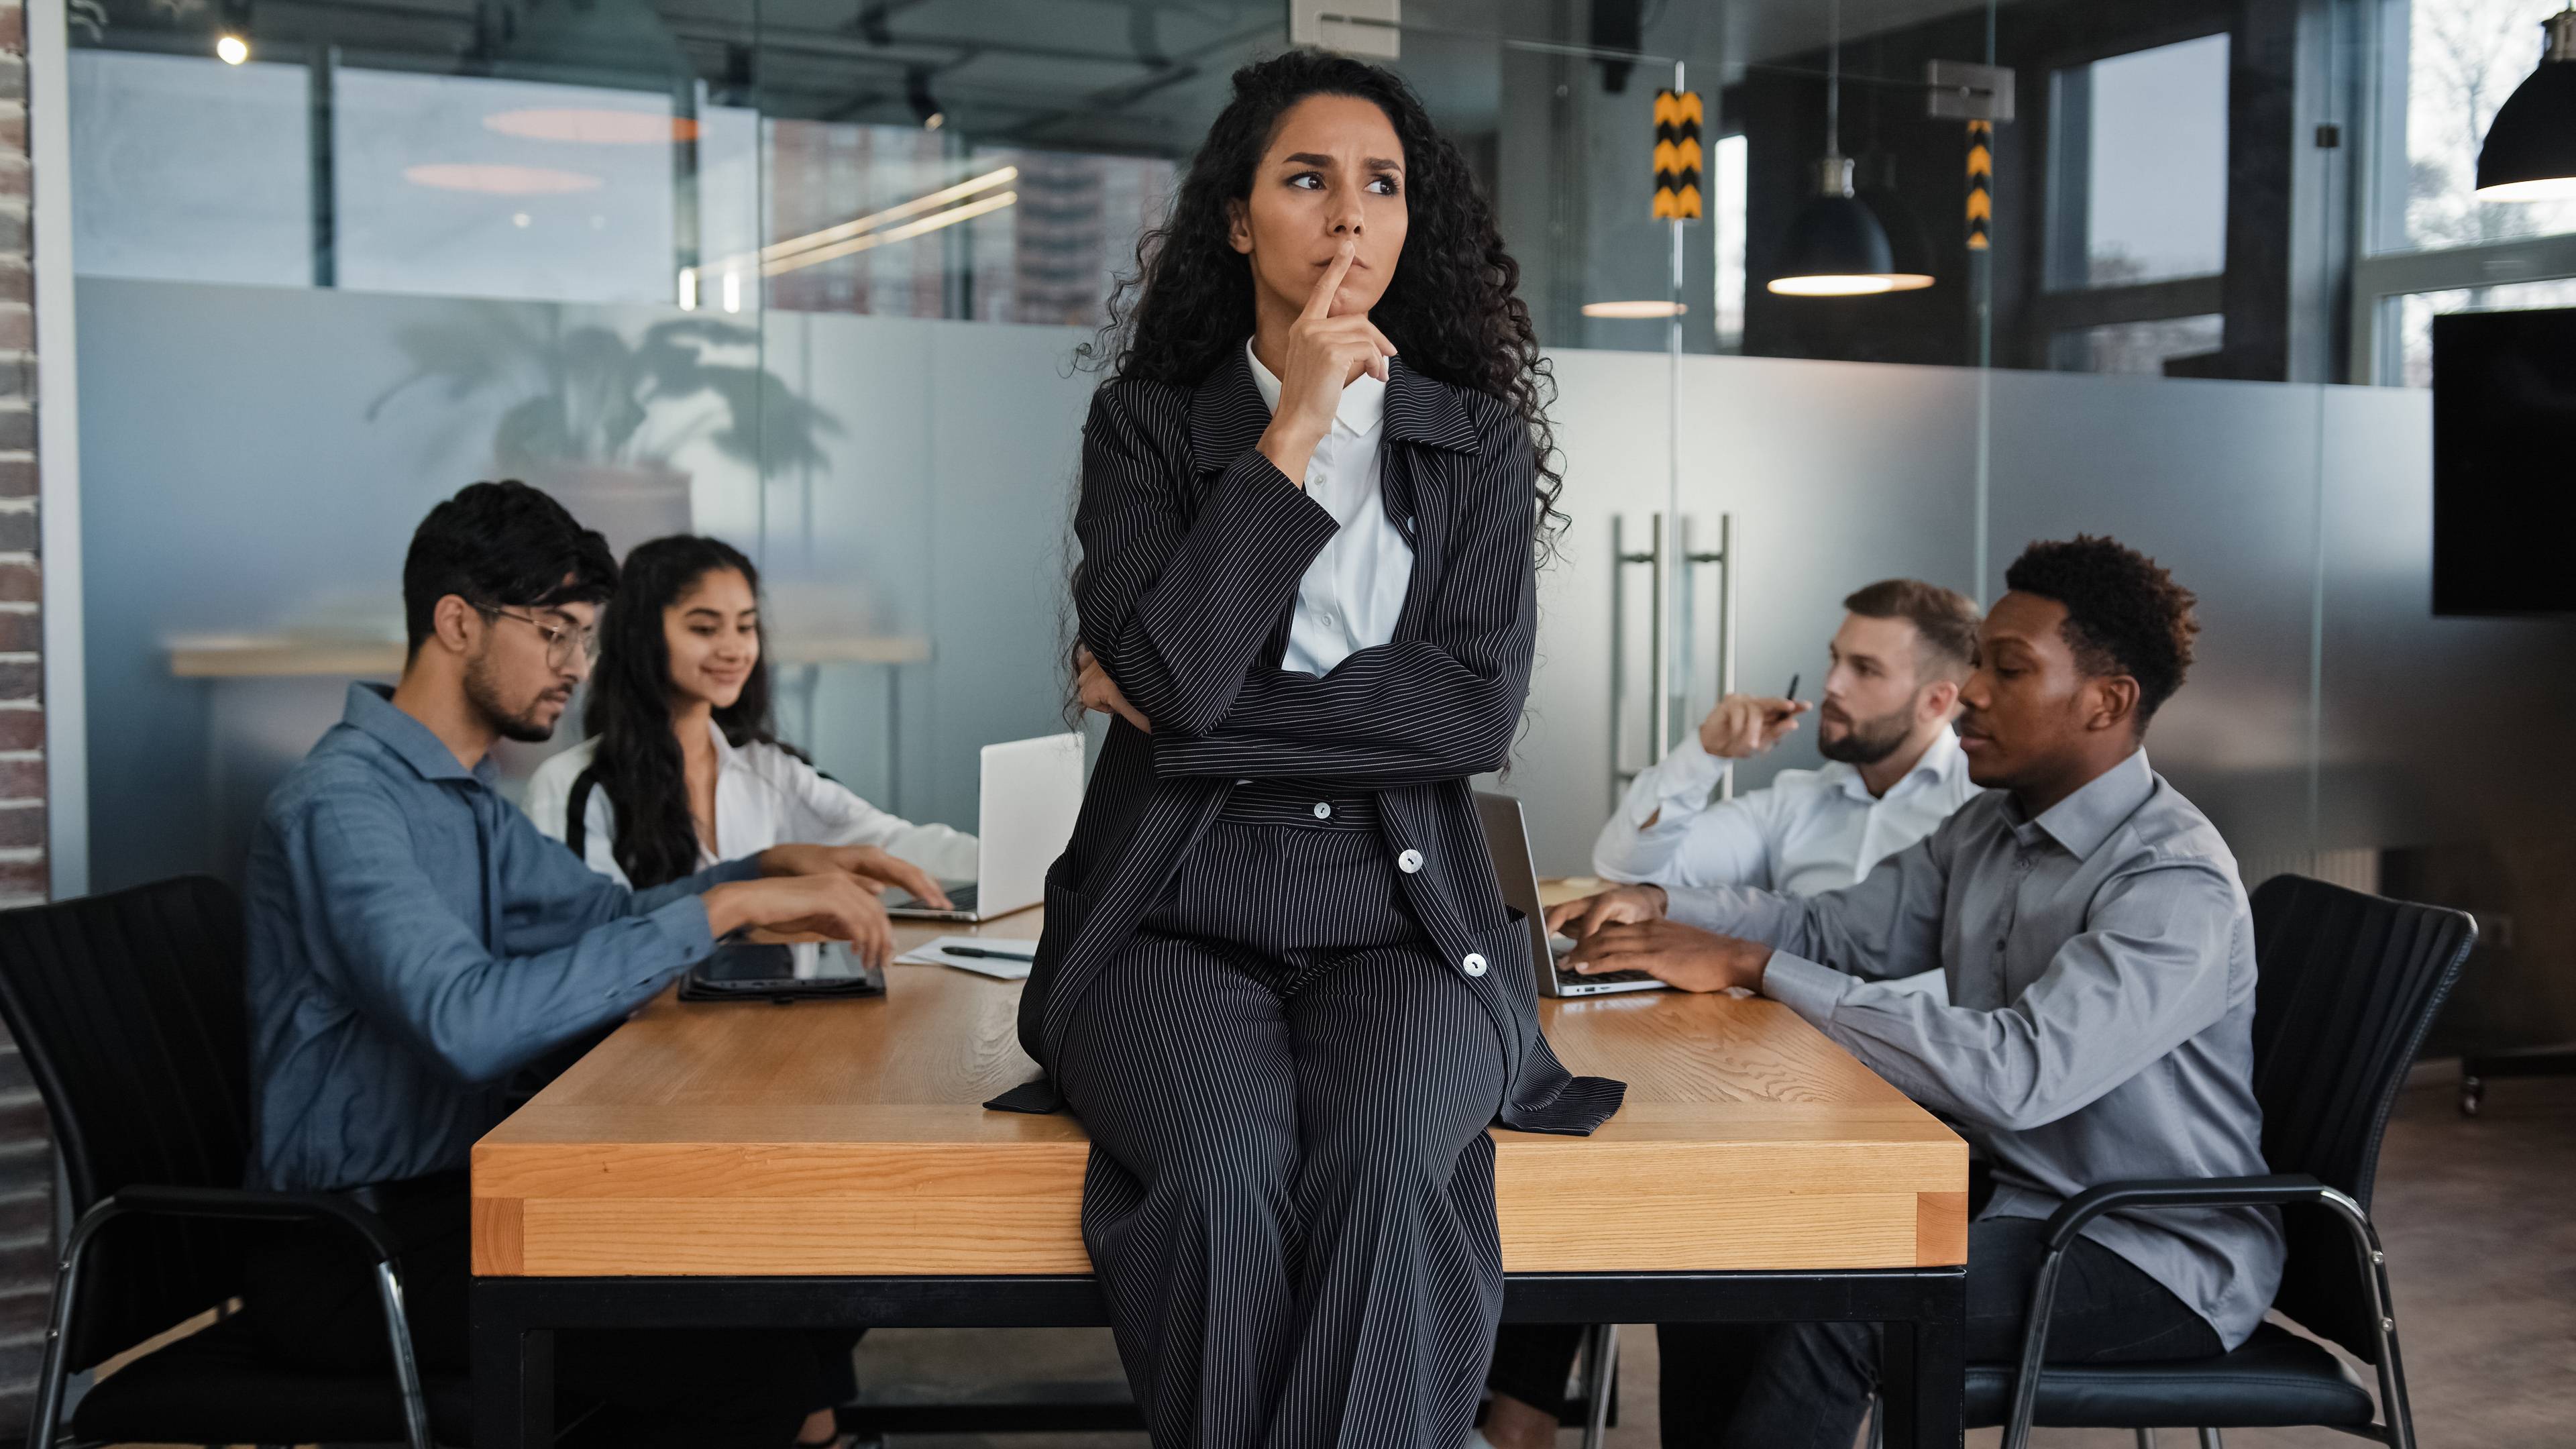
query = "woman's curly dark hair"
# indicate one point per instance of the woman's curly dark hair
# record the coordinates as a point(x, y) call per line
point(1452, 308)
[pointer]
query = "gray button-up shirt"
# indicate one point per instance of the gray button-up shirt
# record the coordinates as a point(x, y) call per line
point(2101, 958)
point(412, 941)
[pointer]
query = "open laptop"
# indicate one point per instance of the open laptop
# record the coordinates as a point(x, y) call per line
point(1507, 841)
point(1030, 793)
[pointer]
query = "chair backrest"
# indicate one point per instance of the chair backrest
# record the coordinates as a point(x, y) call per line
point(128, 1008)
point(2346, 986)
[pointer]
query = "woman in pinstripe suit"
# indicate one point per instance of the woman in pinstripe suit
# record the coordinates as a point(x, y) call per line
point(1278, 981)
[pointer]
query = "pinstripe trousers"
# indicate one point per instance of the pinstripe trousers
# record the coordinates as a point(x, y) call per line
point(1290, 1201)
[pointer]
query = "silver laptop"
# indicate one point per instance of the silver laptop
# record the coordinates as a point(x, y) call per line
point(1507, 841)
point(1030, 793)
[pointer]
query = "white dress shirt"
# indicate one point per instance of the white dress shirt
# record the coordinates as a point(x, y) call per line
point(1353, 591)
point(764, 797)
point(1810, 832)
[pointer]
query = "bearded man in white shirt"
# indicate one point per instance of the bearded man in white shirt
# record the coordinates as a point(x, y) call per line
point(1894, 771)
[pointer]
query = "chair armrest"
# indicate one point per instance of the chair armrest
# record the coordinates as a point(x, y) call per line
point(247, 1204)
point(2180, 1192)
point(238, 1204)
point(2275, 1190)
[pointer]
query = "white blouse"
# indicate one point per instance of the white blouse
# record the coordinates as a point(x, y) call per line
point(764, 797)
point(1354, 590)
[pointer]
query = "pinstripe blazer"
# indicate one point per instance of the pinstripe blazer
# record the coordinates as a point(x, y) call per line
point(1192, 548)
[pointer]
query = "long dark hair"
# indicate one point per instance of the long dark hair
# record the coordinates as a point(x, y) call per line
point(1452, 308)
point(629, 713)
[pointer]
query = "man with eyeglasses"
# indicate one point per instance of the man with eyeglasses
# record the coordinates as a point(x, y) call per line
point(414, 942)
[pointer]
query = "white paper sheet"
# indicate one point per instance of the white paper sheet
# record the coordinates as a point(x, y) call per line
point(1009, 968)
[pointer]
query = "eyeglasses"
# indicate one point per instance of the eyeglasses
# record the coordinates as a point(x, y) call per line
point(561, 643)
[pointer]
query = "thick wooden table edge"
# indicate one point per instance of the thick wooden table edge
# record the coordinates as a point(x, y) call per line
point(1768, 1152)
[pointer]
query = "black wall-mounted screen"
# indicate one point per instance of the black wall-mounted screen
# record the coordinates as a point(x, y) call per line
point(2504, 462)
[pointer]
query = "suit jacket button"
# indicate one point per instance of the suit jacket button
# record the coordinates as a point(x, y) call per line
point(1474, 965)
point(1409, 862)
point(1323, 811)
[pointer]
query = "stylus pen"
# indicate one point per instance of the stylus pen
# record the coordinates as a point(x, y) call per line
point(1792, 695)
point(981, 952)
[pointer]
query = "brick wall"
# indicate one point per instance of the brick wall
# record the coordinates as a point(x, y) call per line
point(26, 1156)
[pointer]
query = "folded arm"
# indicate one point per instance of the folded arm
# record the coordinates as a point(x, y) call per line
point(1177, 606)
point(1438, 706)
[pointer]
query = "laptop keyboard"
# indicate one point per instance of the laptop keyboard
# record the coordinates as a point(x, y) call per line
point(962, 897)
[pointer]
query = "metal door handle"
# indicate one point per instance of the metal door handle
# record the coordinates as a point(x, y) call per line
point(1621, 560)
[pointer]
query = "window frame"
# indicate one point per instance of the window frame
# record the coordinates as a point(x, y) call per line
point(2382, 278)
point(2049, 309)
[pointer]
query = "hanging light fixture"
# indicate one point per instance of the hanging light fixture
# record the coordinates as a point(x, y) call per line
point(2530, 151)
point(1835, 246)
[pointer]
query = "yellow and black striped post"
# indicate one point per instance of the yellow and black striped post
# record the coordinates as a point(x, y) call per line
point(1677, 160)
point(1981, 185)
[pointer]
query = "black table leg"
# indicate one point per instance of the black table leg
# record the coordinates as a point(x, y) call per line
point(514, 1373)
point(1924, 1370)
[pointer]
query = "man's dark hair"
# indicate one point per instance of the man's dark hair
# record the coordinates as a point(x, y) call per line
point(1945, 619)
point(501, 545)
point(2124, 612)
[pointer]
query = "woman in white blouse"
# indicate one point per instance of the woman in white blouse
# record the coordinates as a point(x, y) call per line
point(682, 768)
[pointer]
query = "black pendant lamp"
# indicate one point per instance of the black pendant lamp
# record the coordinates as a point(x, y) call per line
point(1835, 246)
point(2530, 153)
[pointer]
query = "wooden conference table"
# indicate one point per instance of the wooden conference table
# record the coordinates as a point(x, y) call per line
point(741, 1164)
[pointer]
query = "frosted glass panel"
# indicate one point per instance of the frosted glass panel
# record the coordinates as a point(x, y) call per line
point(911, 519)
point(500, 188)
point(1838, 474)
point(273, 503)
point(189, 168)
point(2217, 481)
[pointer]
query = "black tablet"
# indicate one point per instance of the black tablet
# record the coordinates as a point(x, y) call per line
point(742, 971)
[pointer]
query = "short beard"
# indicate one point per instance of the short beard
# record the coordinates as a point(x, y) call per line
point(481, 693)
point(1869, 741)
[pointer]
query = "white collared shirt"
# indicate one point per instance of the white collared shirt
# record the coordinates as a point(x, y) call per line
point(764, 797)
point(1353, 591)
point(1810, 832)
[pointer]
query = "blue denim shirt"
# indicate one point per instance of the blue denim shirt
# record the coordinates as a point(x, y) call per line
point(412, 941)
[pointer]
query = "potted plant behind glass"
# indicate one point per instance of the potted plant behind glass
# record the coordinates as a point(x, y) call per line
point(602, 417)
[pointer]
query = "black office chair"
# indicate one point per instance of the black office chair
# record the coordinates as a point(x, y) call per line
point(128, 1008)
point(2347, 985)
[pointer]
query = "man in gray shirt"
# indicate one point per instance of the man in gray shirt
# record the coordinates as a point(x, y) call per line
point(2100, 960)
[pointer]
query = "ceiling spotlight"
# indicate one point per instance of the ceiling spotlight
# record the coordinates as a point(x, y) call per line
point(925, 106)
point(232, 32)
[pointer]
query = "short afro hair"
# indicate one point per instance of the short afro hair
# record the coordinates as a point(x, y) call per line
point(2124, 612)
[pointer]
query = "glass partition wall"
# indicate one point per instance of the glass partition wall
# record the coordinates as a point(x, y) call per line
point(814, 278)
